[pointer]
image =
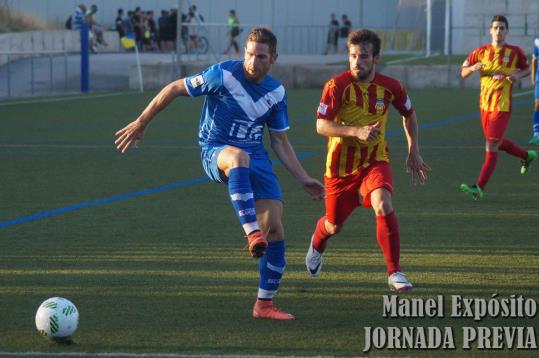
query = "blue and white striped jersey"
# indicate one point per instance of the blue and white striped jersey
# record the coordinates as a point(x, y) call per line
point(236, 110)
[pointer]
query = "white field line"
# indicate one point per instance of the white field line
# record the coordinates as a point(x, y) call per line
point(522, 93)
point(94, 146)
point(78, 97)
point(133, 355)
point(409, 59)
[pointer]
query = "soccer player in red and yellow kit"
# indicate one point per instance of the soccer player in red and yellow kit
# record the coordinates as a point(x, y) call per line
point(353, 115)
point(499, 65)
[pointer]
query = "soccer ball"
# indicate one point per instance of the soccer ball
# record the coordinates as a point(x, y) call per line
point(57, 319)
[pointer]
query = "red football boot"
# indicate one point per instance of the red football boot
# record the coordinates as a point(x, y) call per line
point(266, 310)
point(257, 244)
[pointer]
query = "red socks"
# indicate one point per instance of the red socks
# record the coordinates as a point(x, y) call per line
point(513, 149)
point(488, 168)
point(320, 235)
point(387, 234)
point(491, 157)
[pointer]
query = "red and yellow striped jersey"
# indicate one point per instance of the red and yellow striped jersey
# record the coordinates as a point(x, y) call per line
point(498, 64)
point(352, 103)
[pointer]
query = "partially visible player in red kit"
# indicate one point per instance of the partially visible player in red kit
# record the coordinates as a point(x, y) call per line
point(353, 115)
point(499, 65)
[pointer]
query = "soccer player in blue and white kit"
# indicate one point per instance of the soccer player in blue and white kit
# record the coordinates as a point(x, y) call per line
point(535, 54)
point(241, 99)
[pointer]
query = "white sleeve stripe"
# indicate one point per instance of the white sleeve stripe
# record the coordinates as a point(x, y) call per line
point(187, 87)
point(279, 130)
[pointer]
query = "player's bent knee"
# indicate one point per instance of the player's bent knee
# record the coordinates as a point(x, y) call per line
point(383, 208)
point(333, 229)
point(492, 145)
point(274, 233)
point(233, 157)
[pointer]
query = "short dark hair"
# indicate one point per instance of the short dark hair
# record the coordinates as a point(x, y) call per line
point(365, 36)
point(500, 18)
point(264, 36)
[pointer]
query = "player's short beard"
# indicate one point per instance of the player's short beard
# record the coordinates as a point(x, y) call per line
point(363, 75)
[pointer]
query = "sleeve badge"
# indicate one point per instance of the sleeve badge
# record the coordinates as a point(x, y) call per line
point(196, 81)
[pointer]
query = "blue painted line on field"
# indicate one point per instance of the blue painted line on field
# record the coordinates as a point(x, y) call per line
point(116, 198)
point(452, 120)
point(301, 155)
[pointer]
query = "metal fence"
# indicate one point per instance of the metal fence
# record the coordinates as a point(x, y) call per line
point(41, 73)
point(34, 73)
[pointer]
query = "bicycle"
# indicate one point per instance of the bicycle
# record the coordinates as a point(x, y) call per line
point(198, 44)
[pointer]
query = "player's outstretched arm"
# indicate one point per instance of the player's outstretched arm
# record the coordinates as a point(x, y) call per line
point(134, 132)
point(284, 151)
point(414, 162)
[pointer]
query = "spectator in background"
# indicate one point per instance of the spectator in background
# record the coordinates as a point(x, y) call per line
point(79, 17)
point(128, 25)
point(96, 30)
point(136, 21)
point(173, 24)
point(184, 30)
point(163, 22)
point(344, 31)
point(233, 32)
point(333, 35)
point(119, 23)
point(150, 33)
point(194, 15)
point(194, 18)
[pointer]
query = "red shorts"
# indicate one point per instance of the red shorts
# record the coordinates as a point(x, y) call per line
point(494, 125)
point(343, 194)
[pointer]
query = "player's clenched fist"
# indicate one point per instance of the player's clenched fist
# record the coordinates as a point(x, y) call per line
point(477, 66)
point(369, 133)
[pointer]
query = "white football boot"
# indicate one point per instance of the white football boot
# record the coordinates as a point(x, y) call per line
point(313, 261)
point(398, 282)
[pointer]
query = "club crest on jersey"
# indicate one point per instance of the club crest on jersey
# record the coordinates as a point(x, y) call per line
point(379, 106)
point(331, 84)
point(196, 81)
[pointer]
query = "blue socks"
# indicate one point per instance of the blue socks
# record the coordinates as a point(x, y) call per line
point(536, 123)
point(273, 263)
point(241, 195)
point(272, 266)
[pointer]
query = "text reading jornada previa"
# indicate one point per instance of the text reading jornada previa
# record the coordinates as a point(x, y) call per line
point(472, 337)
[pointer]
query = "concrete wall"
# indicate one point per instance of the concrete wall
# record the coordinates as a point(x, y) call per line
point(40, 41)
point(471, 22)
point(156, 76)
point(300, 25)
point(369, 13)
